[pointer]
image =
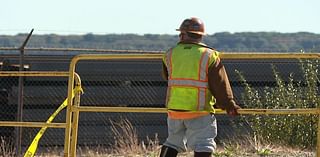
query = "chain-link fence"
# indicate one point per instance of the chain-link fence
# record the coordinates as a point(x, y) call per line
point(40, 99)
point(138, 83)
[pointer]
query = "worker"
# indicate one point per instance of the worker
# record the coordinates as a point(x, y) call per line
point(197, 80)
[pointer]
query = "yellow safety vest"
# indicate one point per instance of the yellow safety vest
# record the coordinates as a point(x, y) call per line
point(187, 66)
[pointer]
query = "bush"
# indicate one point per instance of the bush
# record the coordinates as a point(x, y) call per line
point(291, 130)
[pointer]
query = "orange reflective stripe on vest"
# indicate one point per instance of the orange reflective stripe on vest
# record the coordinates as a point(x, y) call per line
point(204, 65)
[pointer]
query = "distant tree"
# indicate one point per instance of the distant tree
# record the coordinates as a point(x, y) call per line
point(223, 41)
point(89, 37)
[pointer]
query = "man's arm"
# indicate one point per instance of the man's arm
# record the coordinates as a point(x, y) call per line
point(220, 88)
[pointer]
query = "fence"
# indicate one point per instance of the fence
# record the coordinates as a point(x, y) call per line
point(139, 83)
point(28, 96)
point(77, 109)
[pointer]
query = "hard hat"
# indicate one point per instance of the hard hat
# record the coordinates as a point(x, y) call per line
point(192, 25)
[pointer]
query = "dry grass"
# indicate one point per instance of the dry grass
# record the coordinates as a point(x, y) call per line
point(254, 147)
point(6, 148)
point(127, 142)
point(128, 145)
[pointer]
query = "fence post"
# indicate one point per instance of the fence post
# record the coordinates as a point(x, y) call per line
point(75, 118)
point(20, 96)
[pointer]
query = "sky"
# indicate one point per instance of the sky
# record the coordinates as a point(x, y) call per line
point(67, 17)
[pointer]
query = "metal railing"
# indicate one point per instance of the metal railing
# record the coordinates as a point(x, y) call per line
point(72, 128)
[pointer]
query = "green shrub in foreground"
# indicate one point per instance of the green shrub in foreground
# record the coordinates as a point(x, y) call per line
point(291, 130)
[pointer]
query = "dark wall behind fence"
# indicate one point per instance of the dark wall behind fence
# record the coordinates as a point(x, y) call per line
point(116, 83)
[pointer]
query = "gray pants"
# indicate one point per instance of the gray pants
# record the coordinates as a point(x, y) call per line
point(196, 134)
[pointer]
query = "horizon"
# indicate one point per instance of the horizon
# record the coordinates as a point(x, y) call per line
point(79, 34)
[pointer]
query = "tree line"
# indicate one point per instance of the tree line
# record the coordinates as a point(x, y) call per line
point(223, 41)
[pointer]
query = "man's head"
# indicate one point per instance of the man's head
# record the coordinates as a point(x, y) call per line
point(191, 30)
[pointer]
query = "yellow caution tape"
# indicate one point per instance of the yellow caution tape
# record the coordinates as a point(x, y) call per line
point(33, 146)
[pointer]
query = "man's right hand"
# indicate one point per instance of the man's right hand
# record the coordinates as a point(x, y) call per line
point(231, 108)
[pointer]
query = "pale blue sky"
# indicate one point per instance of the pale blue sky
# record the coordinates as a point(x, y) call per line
point(157, 17)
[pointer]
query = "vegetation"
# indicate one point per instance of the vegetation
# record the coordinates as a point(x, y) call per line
point(6, 147)
point(127, 145)
point(224, 41)
point(291, 130)
point(127, 142)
